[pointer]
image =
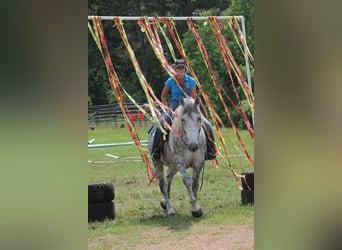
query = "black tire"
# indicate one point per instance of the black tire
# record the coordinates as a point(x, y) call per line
point(101, 211)
point(247, 196)
point(100, 192)
point(250, 180)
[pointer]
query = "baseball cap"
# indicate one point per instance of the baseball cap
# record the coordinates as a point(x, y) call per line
point(180, 62)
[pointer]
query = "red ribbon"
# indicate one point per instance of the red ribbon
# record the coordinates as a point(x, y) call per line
point(118, 94)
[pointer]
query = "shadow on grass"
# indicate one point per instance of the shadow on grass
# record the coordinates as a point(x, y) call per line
point(178, 222)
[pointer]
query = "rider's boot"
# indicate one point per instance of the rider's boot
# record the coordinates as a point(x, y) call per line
point(211, 153)
point(157, 151)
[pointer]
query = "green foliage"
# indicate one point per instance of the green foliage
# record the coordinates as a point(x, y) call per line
point(219, 69)
point(99, 89)
point(244, 8)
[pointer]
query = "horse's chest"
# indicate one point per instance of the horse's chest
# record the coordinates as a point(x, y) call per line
point(178, 148)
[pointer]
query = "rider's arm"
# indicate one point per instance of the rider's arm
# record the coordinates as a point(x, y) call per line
point(193, 92)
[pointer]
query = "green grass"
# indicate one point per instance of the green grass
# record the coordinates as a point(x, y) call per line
point(137, 204)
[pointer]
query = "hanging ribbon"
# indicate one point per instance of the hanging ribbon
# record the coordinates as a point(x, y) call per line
point(238, 74)
point(151, 31)
point(216, 29)
point(143, 82)
point(181, 50)
point(241, 37)
point(201, 46)
point(153, 38)
point(114, 81)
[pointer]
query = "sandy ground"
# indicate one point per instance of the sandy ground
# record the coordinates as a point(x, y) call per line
point(230, 237)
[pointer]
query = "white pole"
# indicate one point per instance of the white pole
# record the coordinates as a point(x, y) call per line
point(143, 143)
point(247, 60)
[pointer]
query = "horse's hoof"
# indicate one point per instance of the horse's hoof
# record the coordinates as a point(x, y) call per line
point(197, 214)
point(173, 213)
point(163, 205)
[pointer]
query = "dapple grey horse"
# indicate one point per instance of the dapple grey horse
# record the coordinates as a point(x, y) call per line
point(182, 150)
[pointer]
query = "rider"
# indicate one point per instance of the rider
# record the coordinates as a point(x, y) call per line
point(188, 85)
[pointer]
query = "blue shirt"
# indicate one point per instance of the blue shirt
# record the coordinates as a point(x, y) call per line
point(176, 92)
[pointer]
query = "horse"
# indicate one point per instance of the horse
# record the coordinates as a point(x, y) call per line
point(182, 150)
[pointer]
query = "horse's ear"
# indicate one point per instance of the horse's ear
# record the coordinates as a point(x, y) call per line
point(197, 100)
point(181, 100)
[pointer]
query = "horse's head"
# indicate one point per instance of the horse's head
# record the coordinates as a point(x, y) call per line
point(191, 121)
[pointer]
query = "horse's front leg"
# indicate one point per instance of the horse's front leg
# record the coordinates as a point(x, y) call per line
point(196, 210)
point(165, 203)
point(195, 177)
point(170, 174)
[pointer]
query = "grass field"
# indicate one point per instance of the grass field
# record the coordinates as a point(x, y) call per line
point(141, 223)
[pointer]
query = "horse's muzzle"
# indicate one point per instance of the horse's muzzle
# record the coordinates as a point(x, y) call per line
point(193, 147)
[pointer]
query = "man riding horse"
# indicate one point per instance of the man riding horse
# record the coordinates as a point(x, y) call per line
point(188, 85)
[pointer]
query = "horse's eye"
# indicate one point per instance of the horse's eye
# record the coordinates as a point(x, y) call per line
point(183, 120)
point(199, 119)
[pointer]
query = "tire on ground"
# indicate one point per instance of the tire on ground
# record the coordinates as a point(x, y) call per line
point(101, 211)
point(100, 192)
point(250, 180)
point(247, 196)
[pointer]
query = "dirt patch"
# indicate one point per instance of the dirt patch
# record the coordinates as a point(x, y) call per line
point(99, 241)
point(234, 237)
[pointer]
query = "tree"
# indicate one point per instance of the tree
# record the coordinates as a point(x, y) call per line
point(244, 8)
point(98, 86)
point(219, 68)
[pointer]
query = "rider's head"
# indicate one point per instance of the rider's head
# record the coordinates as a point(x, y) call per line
point(181, 68)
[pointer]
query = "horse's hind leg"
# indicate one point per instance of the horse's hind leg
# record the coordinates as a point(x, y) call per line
point(196, 210)
point(166, 203)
